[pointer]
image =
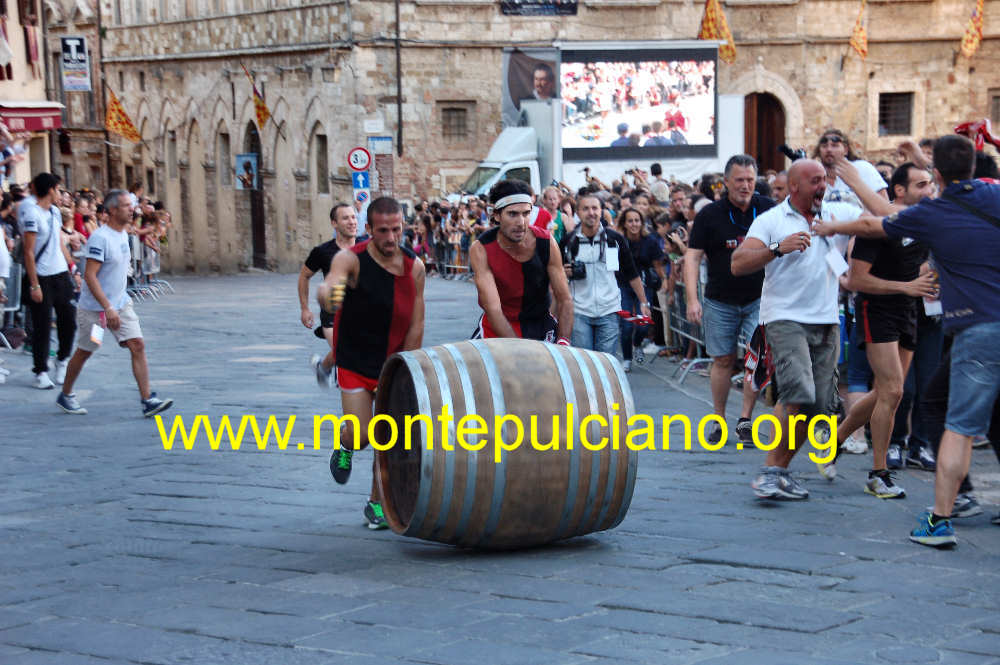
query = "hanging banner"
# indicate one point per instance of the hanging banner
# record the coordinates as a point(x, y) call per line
point(246, 171)
point(75, 64)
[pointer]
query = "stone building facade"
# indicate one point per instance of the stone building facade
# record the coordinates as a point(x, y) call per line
point(80, 157)
point(328, 72)
point(25, 107)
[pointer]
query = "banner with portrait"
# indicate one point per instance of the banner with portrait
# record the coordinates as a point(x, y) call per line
point(529, 73)
point(247, 176)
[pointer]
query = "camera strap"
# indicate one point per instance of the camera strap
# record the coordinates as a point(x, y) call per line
point(975, 211)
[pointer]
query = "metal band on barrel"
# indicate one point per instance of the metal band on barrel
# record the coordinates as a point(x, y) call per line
point(588, 382)
point(449, 459)
point(609, 487)
point(426, 461)
point(574, 462)
point(633, 456)
point(499, 410)
point(472, 456)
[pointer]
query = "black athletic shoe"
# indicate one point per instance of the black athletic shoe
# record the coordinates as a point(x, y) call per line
point(715, 434)
point(923, 459)
point(375, 516)
point(744, 431)
point(340, 465)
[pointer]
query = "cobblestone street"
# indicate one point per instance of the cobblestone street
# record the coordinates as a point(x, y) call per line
point(117, 551)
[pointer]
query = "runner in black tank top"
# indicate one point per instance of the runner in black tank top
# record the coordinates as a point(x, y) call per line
point(515, 265)
point(345, 223)
point(379, 309)
point(377, 291)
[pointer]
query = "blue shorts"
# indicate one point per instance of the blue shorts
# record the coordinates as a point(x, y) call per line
point(726, 324)
point(975, 379)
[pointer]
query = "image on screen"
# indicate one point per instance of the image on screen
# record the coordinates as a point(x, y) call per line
point(650, 106)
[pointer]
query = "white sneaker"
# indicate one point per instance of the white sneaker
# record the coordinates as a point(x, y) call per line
point(650, 347)
point(322, 376)
point(627, 364)
point(43, 382)
point(855, 445)
point(60, 376)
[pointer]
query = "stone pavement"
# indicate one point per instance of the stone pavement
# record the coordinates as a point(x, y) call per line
point(114, 550)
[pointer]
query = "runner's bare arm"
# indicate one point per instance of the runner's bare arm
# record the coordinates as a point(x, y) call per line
point(415, 335)
point(343, 275)
point(304, 276)
point(489, 297)
point(861, 279)
point(560, 291)
point(876, 202)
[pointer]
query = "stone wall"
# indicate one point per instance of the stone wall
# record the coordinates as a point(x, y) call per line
point(327, 67)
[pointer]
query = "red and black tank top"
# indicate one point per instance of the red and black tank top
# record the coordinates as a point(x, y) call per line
point(373, 321)
point(523, 287)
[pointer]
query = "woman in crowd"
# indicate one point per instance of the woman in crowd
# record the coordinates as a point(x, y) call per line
point(647, 257)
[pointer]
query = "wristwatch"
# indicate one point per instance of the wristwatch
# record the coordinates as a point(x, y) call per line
point(775, 248)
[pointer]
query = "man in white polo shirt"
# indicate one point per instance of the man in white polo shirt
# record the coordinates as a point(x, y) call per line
point(105, 305)
point(798, 309)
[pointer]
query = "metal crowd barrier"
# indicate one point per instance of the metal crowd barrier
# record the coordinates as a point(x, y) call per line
point(13, 303)
point(686, 331)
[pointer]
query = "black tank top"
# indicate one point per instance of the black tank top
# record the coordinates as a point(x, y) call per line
point(373, 321)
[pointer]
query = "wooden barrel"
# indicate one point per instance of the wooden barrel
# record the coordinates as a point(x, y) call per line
point(531, 496)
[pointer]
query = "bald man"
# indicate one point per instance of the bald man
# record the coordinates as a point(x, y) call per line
point(798, 309)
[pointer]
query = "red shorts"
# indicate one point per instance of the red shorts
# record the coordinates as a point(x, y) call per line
point(353, 382)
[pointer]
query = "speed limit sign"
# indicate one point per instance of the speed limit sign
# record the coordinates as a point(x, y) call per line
point(359, 159)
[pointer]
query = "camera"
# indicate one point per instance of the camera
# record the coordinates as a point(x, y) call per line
point(578, 270)
point(791, 154)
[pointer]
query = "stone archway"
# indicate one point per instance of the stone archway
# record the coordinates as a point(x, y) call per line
point(760, 79)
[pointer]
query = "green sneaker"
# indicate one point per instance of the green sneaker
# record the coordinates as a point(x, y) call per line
point(375, 516)
point(340, 464)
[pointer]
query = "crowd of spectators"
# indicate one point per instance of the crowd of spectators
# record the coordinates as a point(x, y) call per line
point(76, 215)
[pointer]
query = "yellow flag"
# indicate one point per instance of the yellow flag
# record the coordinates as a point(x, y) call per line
point(117, 120)
point(263, 114)
point(973, 31)
point(859, 38)
point(714, 26)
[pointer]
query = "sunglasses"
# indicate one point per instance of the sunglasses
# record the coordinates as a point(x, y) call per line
point(830, 139)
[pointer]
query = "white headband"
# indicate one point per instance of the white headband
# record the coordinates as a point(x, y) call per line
point(511, 199)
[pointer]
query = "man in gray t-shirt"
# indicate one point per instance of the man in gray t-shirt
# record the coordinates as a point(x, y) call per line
point(105, 305)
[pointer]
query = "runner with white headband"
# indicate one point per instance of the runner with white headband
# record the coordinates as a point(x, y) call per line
point(515, 264)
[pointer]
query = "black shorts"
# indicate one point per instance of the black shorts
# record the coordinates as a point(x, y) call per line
point(325, 319)
point(880, 323)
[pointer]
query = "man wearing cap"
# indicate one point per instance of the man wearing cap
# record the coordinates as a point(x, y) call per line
point(515, 265)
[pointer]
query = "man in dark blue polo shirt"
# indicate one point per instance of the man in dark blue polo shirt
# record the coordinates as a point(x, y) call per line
point(732, 304)
point(962, 228)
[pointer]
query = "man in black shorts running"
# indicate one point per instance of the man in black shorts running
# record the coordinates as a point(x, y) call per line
point(886, 273)
point(515, 264)
point(345, 224)
point(376, 290)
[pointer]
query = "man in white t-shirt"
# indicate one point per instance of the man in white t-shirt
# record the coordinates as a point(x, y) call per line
point(833, 145)
point(106, 306)
point(49, 286)
point(798, 308)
